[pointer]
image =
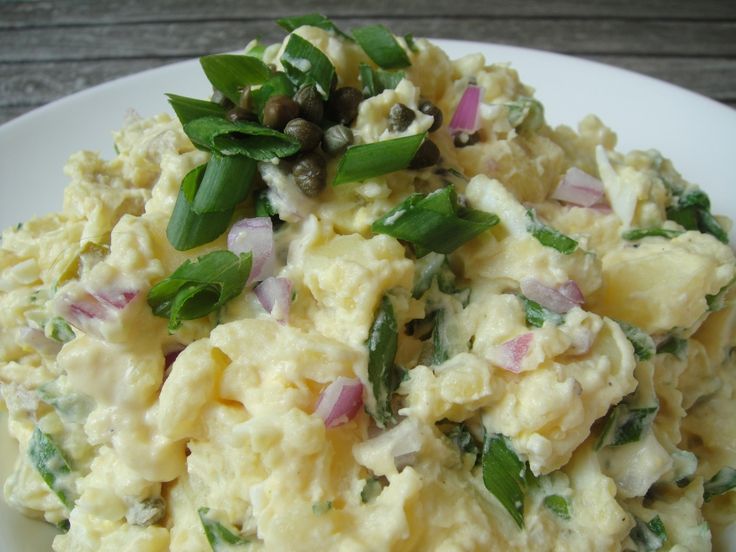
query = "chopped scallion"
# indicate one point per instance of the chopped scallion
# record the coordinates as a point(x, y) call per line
point(188, 109)
point(230, 73)
point(435, 221)
point(220, 536)
point(381, 46)
point(290, 24)
point(376, 81)
point(644, 347)
point(558, 505)
point(641, 233)
point(239, 138)
point(649, 536)
point(504, 475)
point(548, 236)
point(197, 288)
point(382, 373)
point(675, 346)
point(410, 43)
point(187, 229)
point(536, 315)
point(306, 64)
point(720, 483)
point(225, 183)
point(49, 461)
point(625, 425)
point(376, 159)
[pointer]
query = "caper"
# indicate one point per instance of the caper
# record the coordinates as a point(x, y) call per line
point(427, 155)
point(336, 139)
point(310, 174)
point(219, 98)
point(307, 134)
point(343, 104)
point(428, 108)
point(240, 114)
point(463, 139)
point(400, 117)
point(278, 111)
point(311, 105)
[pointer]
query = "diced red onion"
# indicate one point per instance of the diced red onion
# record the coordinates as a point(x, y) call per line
point(172, 355)
point(36, 339)
point(84, 311)
point(275, 296)
point(604, 207)
point(254, 235)
point(467, 114)
point(340, 402)
point(512, 352)
point(559, 300)
point(580, 188)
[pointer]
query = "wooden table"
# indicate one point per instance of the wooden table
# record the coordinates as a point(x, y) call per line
point(49, 49)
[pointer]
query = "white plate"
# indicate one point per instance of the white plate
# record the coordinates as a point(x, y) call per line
point(697, 133)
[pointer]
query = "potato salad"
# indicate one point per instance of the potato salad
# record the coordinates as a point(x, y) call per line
point(364, 298)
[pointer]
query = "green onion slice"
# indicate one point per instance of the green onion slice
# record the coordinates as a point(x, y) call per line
point(504, 475)
point(376, 159)
point(644, 347)
point(257, 50)
point(675, 346)
point(382, 373)
point(640, 233)
point(435, 221)
point(49, 461)
point(188, 109)
point(625, 425)
point(548, 236)
point(187, 229)
point(692, 211)
point(376, 81)
point(239, 138)
point(717, 301)
point(381, 46)
point(306, 64)
point(720, 483)
point(536, 315)
point(558, 505)
point(410, 43)
point(290, 24)
point(197, 288)
point(430, 267)
point(230, 73)
point(226, 182)
point(461, 437)
point(220, 536)
point(526, 114)
point(649, 536)
point(59, 330)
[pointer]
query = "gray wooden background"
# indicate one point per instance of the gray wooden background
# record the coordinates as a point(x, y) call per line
point(49, 49)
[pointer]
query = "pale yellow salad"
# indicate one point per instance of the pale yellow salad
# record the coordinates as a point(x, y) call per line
point(364, 298)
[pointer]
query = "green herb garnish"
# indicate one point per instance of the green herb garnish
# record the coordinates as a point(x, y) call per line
point(371, 490)
point(381, 46)
point(644, 347)
point(257, 50)
point(440, 340)
point(225, 183)
point(59, 330)
point(691, 210)
point(306, 64)
point(504, 475)
point(675, 346)
point(649, 536)
point(548, 236)
point(187, 229)
point(431, 267)
point(376, 81)
point(230, 73)
point(625, 425)
point(49, 461)
point(558, 505)
point(526, 114)
point(536, 315)
point(434, 222)
point(376, 159)
point(382, 373)
point(239, 138)
point(410, 43)
point(720, 483)
point(200, 287)
point(290, 24)
point(461, 437)
point(322, 507)
point(641, 233)
point(188, 109)
point(220, 536)
point(718, 300)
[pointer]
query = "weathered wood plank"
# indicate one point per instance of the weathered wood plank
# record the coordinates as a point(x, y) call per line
point(73, 12)
point(574, 36)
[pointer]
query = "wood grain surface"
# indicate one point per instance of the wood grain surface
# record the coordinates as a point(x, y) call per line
point(49, 49)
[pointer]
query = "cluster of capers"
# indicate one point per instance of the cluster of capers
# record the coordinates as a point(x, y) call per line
point(400, 117)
